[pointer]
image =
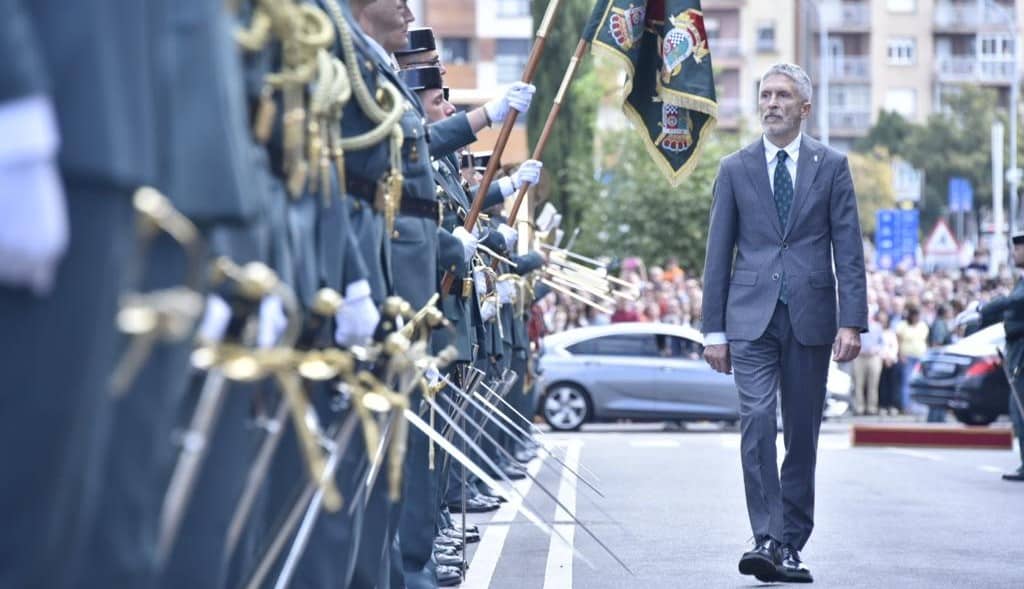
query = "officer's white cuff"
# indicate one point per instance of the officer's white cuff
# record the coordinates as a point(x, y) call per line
point(506, 186)
point(715, 338)
point(29, 128)
point(357, 290)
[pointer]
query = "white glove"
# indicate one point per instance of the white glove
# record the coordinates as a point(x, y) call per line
point(528, 172)
point(969, 315)
point(215, 319)
point(518, 96)
point(432, 375)
point(511, 236)
point(469, 242)
point(33, 213)
point(272, 321)
point(506, 292)
point(488, 309)
point(358, 316)
point(480, 282)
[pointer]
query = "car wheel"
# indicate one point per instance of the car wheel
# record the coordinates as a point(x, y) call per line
point(968, 417)
point(566, 407)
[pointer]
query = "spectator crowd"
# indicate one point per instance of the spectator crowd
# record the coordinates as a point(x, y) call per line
point(910, 311)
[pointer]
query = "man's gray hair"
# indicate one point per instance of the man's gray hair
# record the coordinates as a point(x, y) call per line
point(795, 73)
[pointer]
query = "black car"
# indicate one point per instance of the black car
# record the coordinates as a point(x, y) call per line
point(966, 377)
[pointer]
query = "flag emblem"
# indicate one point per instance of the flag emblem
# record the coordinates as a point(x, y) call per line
point(686, 38)
point(627, 25)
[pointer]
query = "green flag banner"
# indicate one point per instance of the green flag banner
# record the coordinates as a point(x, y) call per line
point(670, 87)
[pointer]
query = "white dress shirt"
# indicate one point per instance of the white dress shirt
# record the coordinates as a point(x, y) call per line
point(771, 156)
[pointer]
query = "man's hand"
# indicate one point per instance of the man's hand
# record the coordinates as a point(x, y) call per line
point(718, 357)
point(847, 344)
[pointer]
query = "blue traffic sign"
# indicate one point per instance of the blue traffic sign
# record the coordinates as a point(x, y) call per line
point(961, 194)
point(896, 238)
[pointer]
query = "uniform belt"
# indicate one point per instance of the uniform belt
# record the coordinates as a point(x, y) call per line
point(425, 209)
point(364, 190)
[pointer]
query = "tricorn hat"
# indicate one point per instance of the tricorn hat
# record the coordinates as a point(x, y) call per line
point(1018, 238)
point(421, 39)
point(422, 78)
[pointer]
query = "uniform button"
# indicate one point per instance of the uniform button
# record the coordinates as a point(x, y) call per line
point(775, 276)
point(785, 246)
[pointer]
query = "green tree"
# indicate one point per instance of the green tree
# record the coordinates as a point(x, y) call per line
point(872, 179)
point(951, 142)
point(634, 212)
point(569, 153)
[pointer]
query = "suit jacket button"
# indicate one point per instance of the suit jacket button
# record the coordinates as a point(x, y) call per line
point(775, 276)
point(785, 246)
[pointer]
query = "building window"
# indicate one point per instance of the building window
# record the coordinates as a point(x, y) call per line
point(455, 50)
point(513, 8)
point(902, 5)
point(902, 101)
point(766, 37)
point(902, 51)
point(510, 59)
point(713, 28)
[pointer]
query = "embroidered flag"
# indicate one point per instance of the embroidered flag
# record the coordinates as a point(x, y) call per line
point(670, 87)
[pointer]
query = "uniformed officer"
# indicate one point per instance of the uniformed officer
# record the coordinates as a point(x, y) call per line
point(1010, 310)
point(67, 79)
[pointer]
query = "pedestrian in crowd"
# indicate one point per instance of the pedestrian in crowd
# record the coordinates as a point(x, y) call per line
point(673, 273)
point(867, 370)
point(912, 335)
point(625, 311)
point(939, 333)
point(889, 401)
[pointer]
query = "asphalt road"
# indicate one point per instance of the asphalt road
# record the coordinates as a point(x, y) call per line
point(674, 512)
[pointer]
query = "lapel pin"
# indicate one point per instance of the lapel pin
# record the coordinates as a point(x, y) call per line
point(815, 158)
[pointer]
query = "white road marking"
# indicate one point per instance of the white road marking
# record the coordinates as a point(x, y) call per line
point(488, 552)
point(915, 454)
point(654, 443)
point(558, 572)
point(989, 468)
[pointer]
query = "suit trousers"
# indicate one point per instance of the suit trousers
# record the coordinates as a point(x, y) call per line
point(780, 506)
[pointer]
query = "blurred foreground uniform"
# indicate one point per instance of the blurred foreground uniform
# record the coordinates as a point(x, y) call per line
point(58, 348)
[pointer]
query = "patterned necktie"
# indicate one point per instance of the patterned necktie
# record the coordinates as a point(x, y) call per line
point(783, 202)
point(783, 188)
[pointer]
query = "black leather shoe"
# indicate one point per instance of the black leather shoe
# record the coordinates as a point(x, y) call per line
point(448, 560)
point(763, 561)
point(1017, 475)
point(448, 576)
point(472, 536)
point(792, 569)
point(514, 473)
point(446, 550)
point(490, 493)
point(473, 505)
point(448, 542)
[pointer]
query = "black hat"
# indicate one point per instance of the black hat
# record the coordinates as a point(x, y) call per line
point(1018, 238)
point(447, 93)
point(421, 39)
point(481, 159)
point(422, 78)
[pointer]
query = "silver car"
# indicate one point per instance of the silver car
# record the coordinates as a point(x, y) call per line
point(645, 372)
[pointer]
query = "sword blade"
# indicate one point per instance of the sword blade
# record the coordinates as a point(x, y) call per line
point(462, 459)
point(195, 446)
point(546, 491)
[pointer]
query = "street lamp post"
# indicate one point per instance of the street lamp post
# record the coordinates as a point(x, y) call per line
point(1013, 177)
point(823, 99)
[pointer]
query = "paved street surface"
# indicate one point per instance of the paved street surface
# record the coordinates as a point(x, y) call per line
point(674, 512)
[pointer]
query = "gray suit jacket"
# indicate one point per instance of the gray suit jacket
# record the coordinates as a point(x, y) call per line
point(748, 250)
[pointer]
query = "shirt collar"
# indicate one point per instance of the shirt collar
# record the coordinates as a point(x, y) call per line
point(771, 150)
point(380, 51)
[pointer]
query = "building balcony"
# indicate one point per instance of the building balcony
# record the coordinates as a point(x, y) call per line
point(724, 48)
point(846, 68)
point(848, 120)
point(845, 16)
point(969, 16)
point(971, 69)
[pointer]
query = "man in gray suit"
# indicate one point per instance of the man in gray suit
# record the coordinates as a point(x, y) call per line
point(770, 312)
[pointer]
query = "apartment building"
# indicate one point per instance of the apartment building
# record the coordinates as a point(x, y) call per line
point(485, 45)
point(902, 55)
